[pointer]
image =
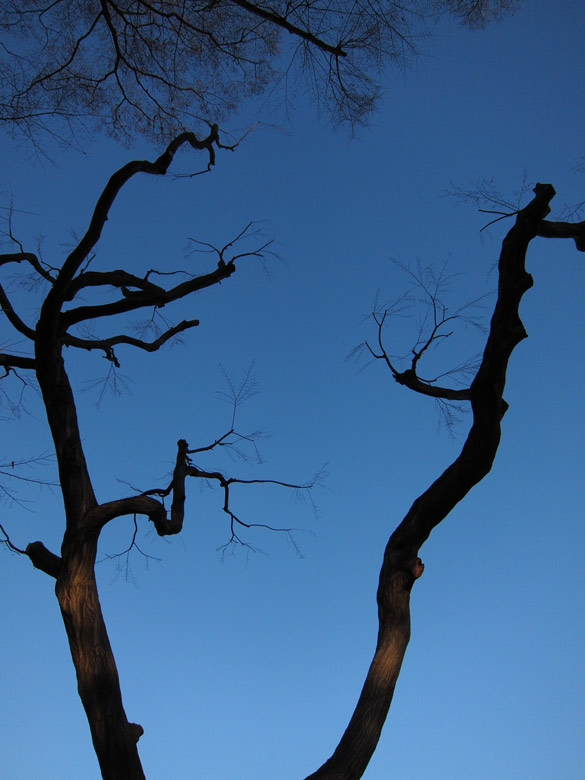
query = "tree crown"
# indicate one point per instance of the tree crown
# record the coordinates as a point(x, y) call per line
point(163, 66)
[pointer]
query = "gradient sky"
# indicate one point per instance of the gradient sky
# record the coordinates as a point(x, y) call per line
point(250, 666)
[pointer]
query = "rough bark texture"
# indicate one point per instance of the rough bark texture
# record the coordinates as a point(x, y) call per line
point(114, 737)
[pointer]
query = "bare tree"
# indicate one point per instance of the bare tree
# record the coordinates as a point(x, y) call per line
point(401, 564)
point(160, 67)
point(163, 66)
point(62, 313)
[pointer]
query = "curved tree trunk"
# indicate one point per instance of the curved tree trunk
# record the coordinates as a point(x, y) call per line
point(401, 565)
point(359, 741)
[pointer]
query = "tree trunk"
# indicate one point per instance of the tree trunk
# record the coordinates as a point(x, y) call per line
point(401, 565)
point(352, 755)
point(114, 738)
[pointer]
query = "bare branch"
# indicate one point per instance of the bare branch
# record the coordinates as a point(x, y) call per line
point(28, 257)
point(102, 514)
point(163, 67)
point(9, 469)
point(221, 442)
point(574, 230)
point(119, 278)
point(7, 541)
point(282, 21)
point(251, 231)
point(141, 300)
point(503, 215)
point(158, 168)
point(8, 361)
point(409, 379)
point(147, 294)
point(184, 467)
point(109, 343)
point(15, 406)
point(432, 331)
point(124, 556)
point(486, 193)
point(237, 394)
point(114, 382)
point(12, 316)
point(12, 472)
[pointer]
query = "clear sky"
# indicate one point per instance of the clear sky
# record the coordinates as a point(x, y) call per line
point(250, 666)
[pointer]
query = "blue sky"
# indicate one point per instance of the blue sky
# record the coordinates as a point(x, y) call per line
point(251, 666)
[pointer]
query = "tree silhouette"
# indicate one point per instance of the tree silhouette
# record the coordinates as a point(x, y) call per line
point(159, 68)
point(401, 565)
point(114, 737)
point(62, 313)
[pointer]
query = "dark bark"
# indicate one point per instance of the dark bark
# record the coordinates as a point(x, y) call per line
point(8, 361)
point(114, 737)
point(401, 565)
point(43, 559)
point(282, 21)
point(574, 230)
point(97, 677)
point(409, 379)
point(163, 66)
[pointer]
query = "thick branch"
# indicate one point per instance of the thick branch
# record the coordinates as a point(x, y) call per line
point(185, 468)
point(100, 515)
point(43, 559)
point(411, 380)
point(144, 504)
point(159, 168)
point(16, 257)
point(57, 394)
point(117, 278)
point(179, 474)
point(574, 230)
point(16, 361)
